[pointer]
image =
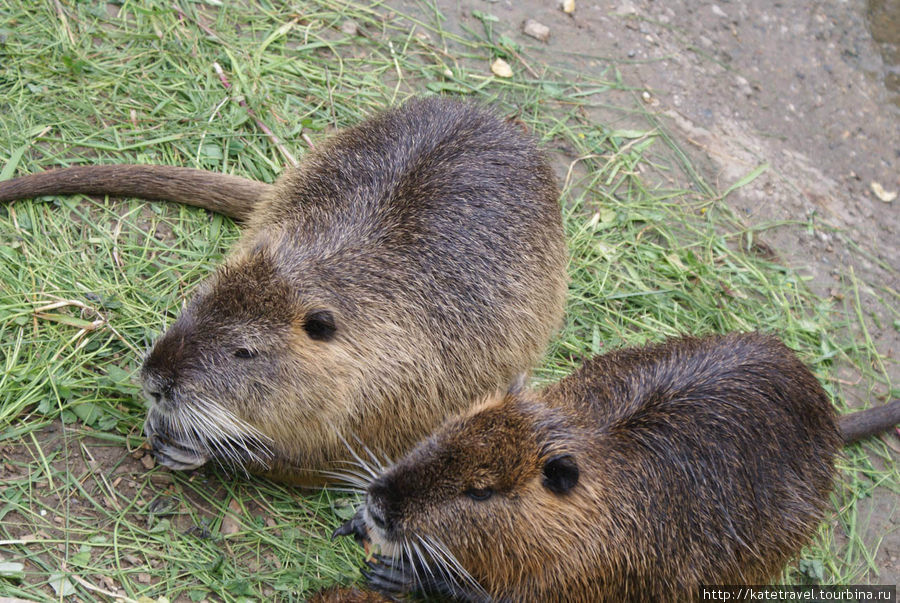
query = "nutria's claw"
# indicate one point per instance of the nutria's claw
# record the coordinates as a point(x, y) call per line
point(388, 575)
point(355, 526)
point(345, 529)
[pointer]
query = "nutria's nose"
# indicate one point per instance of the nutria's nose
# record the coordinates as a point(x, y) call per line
point(158, 387)
point(378, 494)
point(377, 517)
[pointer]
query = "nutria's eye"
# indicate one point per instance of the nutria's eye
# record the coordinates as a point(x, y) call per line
point(479, 493)
point(560, 473)
point(319, 325)
point(245, 353)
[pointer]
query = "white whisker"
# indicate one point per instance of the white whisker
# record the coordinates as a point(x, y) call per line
point(347, 489)
point(377, 462)
point(231, 441)
point(372, 471)
point(459, 570)
point(408, 552)
point(423, 561)
point(440, 562)
point(350, 478)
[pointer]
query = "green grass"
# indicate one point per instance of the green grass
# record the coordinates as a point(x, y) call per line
point(86, 285)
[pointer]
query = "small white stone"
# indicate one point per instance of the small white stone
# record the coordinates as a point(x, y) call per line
point(626, 8)
point(536, 30)
point(501, 68)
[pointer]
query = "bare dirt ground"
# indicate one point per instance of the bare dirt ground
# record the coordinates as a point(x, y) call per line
point(809, 88)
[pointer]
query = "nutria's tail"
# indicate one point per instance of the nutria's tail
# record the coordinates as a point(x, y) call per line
point(864, 423)
point(229, 195)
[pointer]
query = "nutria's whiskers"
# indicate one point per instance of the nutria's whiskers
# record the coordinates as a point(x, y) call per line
point(379, 463)
point(219, 430)
point(371, 468)
point(350, 481)
point(344, 489)
point(407, 550)
point(450, 567)
point(187, 425)
point(359, 472)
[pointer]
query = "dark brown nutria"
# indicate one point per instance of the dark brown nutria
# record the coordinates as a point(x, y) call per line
point(642, 476)
point(409, 265)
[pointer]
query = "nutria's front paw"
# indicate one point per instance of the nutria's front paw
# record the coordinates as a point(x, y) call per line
point(356, 527)
point(390, 575)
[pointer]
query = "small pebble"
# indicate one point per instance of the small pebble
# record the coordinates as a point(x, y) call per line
point(567, 6)
point(350, 28)
point(626, 8)
point(744, 86)
point(536, 30)
point(501, 68)
point(881, 193)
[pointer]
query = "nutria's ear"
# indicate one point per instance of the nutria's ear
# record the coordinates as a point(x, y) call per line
point(560, 473)
point(517, 384)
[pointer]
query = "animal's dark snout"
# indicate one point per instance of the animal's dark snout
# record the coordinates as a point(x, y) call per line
point(378, 497)
point(157, 386)
point(167, 361)
point(377, 517)
point(161, 369)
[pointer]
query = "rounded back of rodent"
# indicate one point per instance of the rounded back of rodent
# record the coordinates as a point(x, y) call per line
point(647, 473)
point(431, 239)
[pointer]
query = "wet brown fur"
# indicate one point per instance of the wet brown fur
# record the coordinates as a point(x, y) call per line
point(701, 461)
point(429, 236)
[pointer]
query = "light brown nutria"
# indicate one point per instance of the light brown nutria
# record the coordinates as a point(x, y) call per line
point(409, 265)
point(642, 476)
